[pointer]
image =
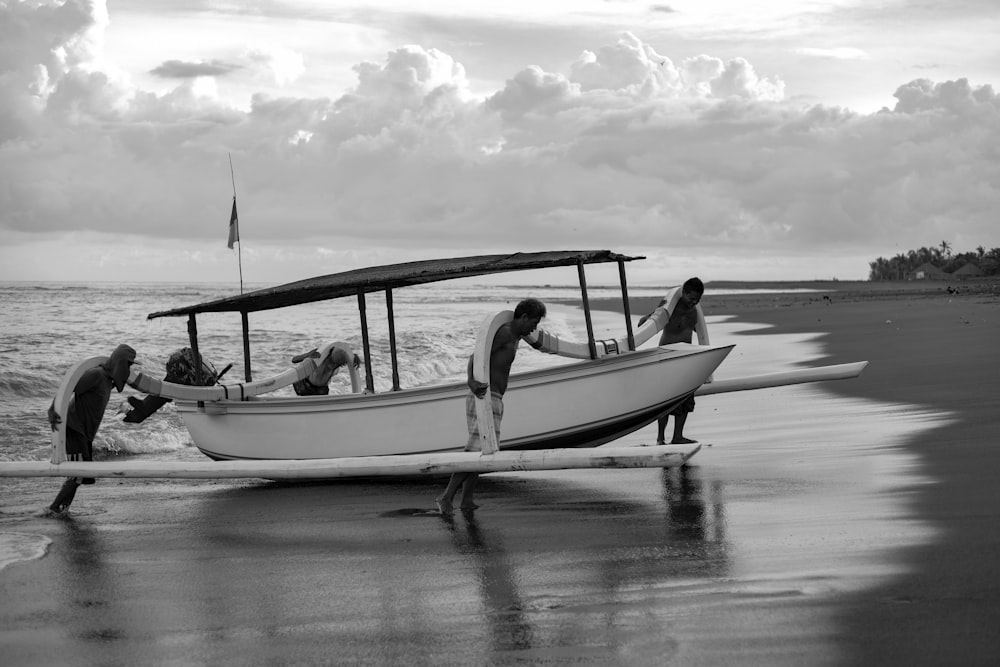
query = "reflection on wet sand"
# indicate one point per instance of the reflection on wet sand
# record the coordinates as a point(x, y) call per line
point(684, 542)
point(503, 608)
point(88, 584)
point(573, 586)
point(690, 514)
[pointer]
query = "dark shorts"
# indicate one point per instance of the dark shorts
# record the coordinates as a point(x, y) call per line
point(304, 387)
point(687, 405)
point(77, 444)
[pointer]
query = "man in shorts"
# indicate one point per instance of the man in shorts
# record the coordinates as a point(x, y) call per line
point(685, 318)
point(527, 315)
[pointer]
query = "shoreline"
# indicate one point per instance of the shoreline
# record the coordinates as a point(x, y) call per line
point(930, 348)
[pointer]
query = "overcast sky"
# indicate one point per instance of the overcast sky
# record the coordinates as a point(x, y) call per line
point(724, 139)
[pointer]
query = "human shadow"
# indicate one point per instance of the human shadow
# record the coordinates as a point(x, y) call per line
point(89, 584)
point(496, 576)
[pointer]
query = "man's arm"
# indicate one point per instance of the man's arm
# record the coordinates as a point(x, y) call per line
point(668, 303)
point(54, 417)
point(475, 386)
point(701, 328)
point(86, 382)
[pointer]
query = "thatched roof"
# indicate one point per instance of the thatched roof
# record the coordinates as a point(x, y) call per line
point(968, 269)
point(928, 270)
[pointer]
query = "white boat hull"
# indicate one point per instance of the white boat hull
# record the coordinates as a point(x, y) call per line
point(583, 404)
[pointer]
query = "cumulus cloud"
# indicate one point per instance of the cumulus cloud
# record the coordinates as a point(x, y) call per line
point(530, 89)
point(632, 66)
point(954, 96)
point(284, 65)
point(625, 149)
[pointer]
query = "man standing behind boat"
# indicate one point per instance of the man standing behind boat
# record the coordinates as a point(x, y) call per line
point(685, 318)
point(527, 315)
point(90, 399)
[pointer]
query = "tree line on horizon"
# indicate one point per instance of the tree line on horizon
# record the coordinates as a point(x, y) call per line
point(940, 256)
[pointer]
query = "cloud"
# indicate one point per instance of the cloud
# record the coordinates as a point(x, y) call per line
point(178, 69)
point(838, 53)
point(530, 89)
point(624, 149)
point(284, 65)
point(955, 96)
point(632, 66)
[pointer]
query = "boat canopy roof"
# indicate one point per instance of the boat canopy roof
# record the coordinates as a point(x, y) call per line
point(390, 276)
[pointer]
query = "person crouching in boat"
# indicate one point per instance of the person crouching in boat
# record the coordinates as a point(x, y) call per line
point(86, 411)
point(527, 315)
point(317, 383)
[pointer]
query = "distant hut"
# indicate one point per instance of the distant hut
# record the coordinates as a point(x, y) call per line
point(927, 271)
point(968, 270)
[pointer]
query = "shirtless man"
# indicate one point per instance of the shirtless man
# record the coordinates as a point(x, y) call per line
point(527, 315)
point(317, 383)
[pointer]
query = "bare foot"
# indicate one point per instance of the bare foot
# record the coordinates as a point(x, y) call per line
point(469, 506)
point(444, 505)
point(682, 441)
point(660, 441)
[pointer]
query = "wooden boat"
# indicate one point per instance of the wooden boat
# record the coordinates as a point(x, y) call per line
point(615, 391)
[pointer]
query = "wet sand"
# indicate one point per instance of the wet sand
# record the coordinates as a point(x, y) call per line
point(931, 344)
point(850, 523)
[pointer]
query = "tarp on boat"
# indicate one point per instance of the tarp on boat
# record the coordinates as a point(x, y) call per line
point(391, 276)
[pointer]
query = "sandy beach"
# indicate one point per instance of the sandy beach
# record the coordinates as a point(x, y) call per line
point(931, 344)
point(851, 523)
point(936, 349)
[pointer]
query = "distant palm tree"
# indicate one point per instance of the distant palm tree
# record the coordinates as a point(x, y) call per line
point(945, 248)
point(981, 251)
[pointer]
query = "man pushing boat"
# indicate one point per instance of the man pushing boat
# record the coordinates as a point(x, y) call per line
point(685, 318)
point(86, 412)
point(527, 315)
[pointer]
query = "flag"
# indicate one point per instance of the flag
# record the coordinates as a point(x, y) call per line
point(234, 226)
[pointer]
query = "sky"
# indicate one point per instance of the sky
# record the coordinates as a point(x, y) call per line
point(778, 140)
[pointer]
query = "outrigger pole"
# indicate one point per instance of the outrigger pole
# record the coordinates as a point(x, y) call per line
point(661, 456)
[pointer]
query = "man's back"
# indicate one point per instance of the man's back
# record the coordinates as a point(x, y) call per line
point(502, 358)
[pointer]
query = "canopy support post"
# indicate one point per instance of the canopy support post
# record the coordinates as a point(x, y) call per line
point(193, 337)
point(625, 304)
point(369, 380)
point(586, 310)
point(392, 340)
point(246, 346)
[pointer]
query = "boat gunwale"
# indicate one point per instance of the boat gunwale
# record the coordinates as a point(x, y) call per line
point(551, 374)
